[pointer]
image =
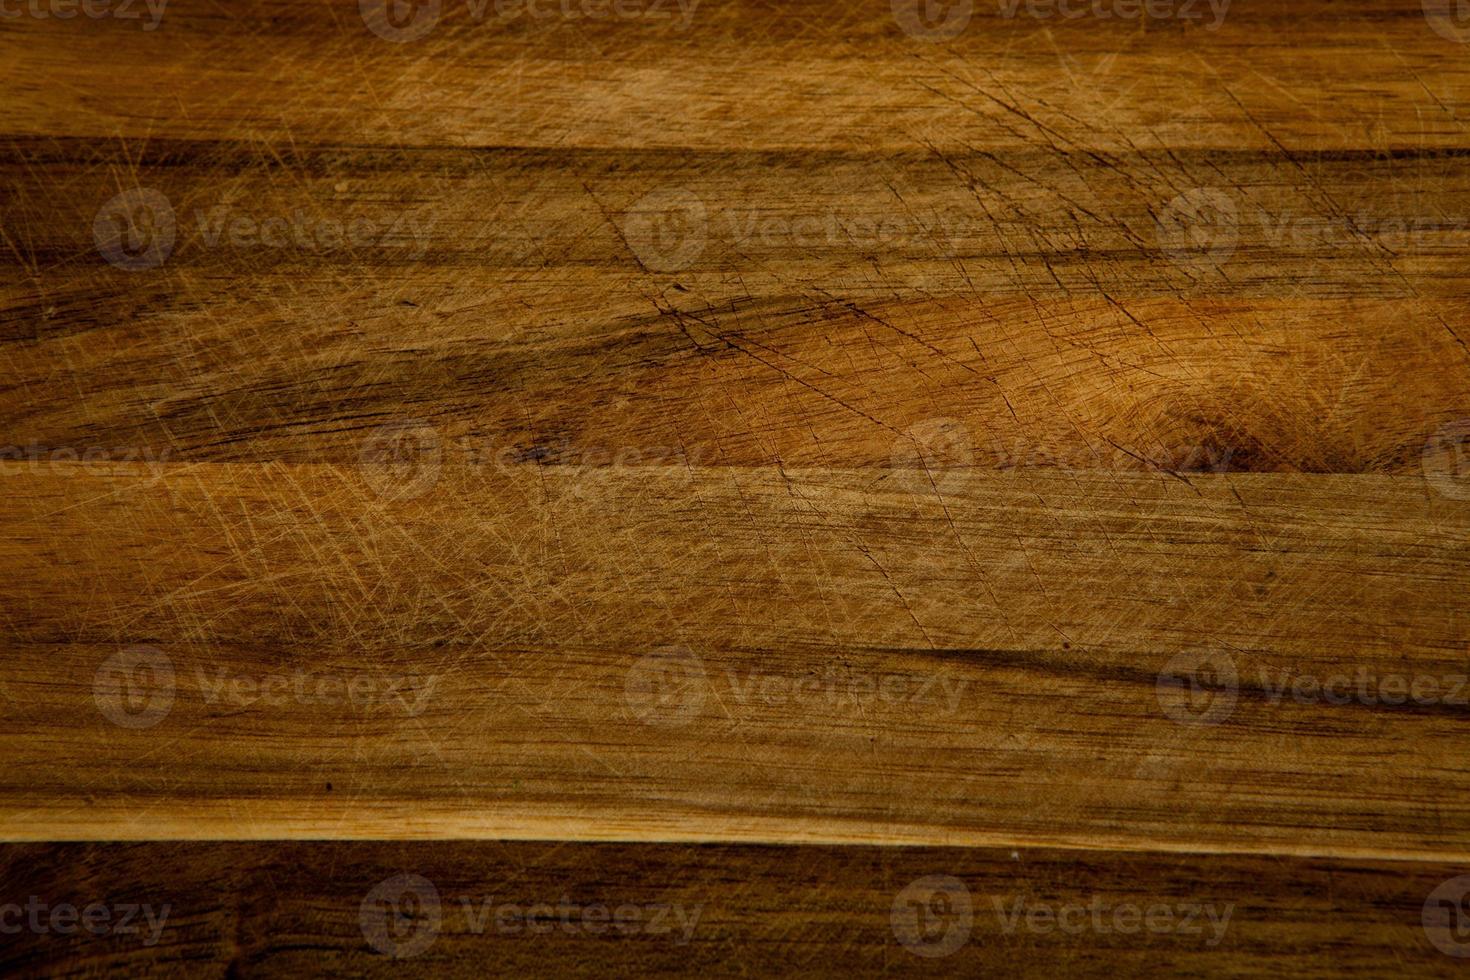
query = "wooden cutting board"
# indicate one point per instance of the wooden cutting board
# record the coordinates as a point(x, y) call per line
point(636, 449)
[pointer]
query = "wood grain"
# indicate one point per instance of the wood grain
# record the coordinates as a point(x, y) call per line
point(663, 457)
point(498, 294)
point(283, 909)
point(1314, 75)
point(1044, 606)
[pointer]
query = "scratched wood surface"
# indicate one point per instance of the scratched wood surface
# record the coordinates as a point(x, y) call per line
point(664, 653)
point(274, 909)
point(740, 435)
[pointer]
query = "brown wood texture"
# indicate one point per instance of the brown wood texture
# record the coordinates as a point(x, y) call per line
point(677, 449)
point(1027, 616)
point(293, 909)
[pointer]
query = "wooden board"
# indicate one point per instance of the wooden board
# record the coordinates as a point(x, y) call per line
point(451, 909)
point(675, 454)
point(732, 653)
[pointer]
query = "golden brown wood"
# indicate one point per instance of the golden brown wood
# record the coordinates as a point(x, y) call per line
point(1028, 616)
point(754, 426)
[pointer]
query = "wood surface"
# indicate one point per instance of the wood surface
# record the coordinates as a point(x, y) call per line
point(288, 909)
point(761, 456)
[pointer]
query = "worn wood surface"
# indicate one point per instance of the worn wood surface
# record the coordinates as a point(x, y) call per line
point(321, 909)
point(746, 435)
point(1026, 617)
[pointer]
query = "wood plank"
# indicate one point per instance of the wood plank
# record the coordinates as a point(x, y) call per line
point(1027, 617)
point(292, 909)
point(1036, 300)
point(1317, 74)
point(1031, 287)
